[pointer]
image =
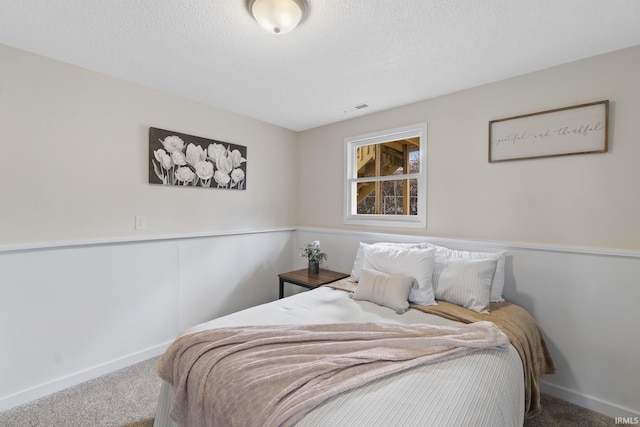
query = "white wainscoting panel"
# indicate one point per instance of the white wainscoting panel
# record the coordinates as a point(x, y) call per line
point(71, 313)
point(221, 275)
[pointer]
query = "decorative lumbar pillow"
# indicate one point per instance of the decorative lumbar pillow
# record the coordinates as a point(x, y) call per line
point(465, 282)
point(358, 263)
point(497, 282)
point(413, 262)
point(389, 290)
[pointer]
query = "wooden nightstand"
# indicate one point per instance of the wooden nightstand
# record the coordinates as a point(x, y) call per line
point(309, 281)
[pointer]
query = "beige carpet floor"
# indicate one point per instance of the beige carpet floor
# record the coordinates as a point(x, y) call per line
point(127, 398)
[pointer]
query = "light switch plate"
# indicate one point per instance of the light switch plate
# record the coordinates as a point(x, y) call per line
point(141, 222)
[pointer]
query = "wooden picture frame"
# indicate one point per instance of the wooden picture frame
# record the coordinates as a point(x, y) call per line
point(578, 129)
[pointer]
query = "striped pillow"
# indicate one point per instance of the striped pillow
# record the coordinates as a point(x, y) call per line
point(497, 283)
point(465, 282)
point(389, 290)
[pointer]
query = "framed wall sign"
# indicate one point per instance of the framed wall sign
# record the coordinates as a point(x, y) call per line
point(578, 129)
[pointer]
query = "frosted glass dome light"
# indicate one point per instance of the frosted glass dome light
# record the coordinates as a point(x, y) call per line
point(277, 16)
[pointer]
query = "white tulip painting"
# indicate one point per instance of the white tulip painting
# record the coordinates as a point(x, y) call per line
point(191, 161)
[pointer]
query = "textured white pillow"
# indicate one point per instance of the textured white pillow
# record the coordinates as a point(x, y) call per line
point(358, 263)
point(466, 282)
point(497, 283)
point(389, 290)
point(414, 262)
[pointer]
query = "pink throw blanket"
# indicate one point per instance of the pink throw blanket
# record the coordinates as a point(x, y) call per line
point(273, 375)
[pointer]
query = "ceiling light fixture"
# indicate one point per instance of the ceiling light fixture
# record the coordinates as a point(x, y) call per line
point(278, 16)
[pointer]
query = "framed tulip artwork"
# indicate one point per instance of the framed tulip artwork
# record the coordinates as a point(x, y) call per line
point(184, 160)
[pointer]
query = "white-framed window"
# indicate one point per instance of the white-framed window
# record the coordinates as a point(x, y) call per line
point(386, 178)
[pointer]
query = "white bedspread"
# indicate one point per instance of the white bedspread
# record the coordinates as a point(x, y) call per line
point(482, 389)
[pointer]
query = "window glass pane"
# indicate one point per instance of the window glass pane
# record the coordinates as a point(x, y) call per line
point(414, 161)
point(397, 197)
point(389, 158)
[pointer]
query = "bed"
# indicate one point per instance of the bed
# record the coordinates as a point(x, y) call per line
point(492, 384)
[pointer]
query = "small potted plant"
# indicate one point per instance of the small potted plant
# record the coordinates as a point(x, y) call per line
point(313, 253)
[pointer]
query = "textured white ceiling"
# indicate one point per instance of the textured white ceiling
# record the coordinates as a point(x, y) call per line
point(346, 52)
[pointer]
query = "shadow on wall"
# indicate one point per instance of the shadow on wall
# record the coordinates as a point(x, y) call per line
point(223, 275)
point(524, 299)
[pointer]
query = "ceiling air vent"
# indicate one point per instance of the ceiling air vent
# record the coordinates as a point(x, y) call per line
point(354, 108)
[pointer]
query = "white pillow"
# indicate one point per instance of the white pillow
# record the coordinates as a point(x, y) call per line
point(389, 290)
point(414, 262)
point(358, 263)
point(497, 283)
point(466, 282)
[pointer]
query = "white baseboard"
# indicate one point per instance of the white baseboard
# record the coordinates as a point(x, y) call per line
point(597, 405)
point(42, 390)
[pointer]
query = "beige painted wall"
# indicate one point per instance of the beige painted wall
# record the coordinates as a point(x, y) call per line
point(74, 155)
point(582, 200)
